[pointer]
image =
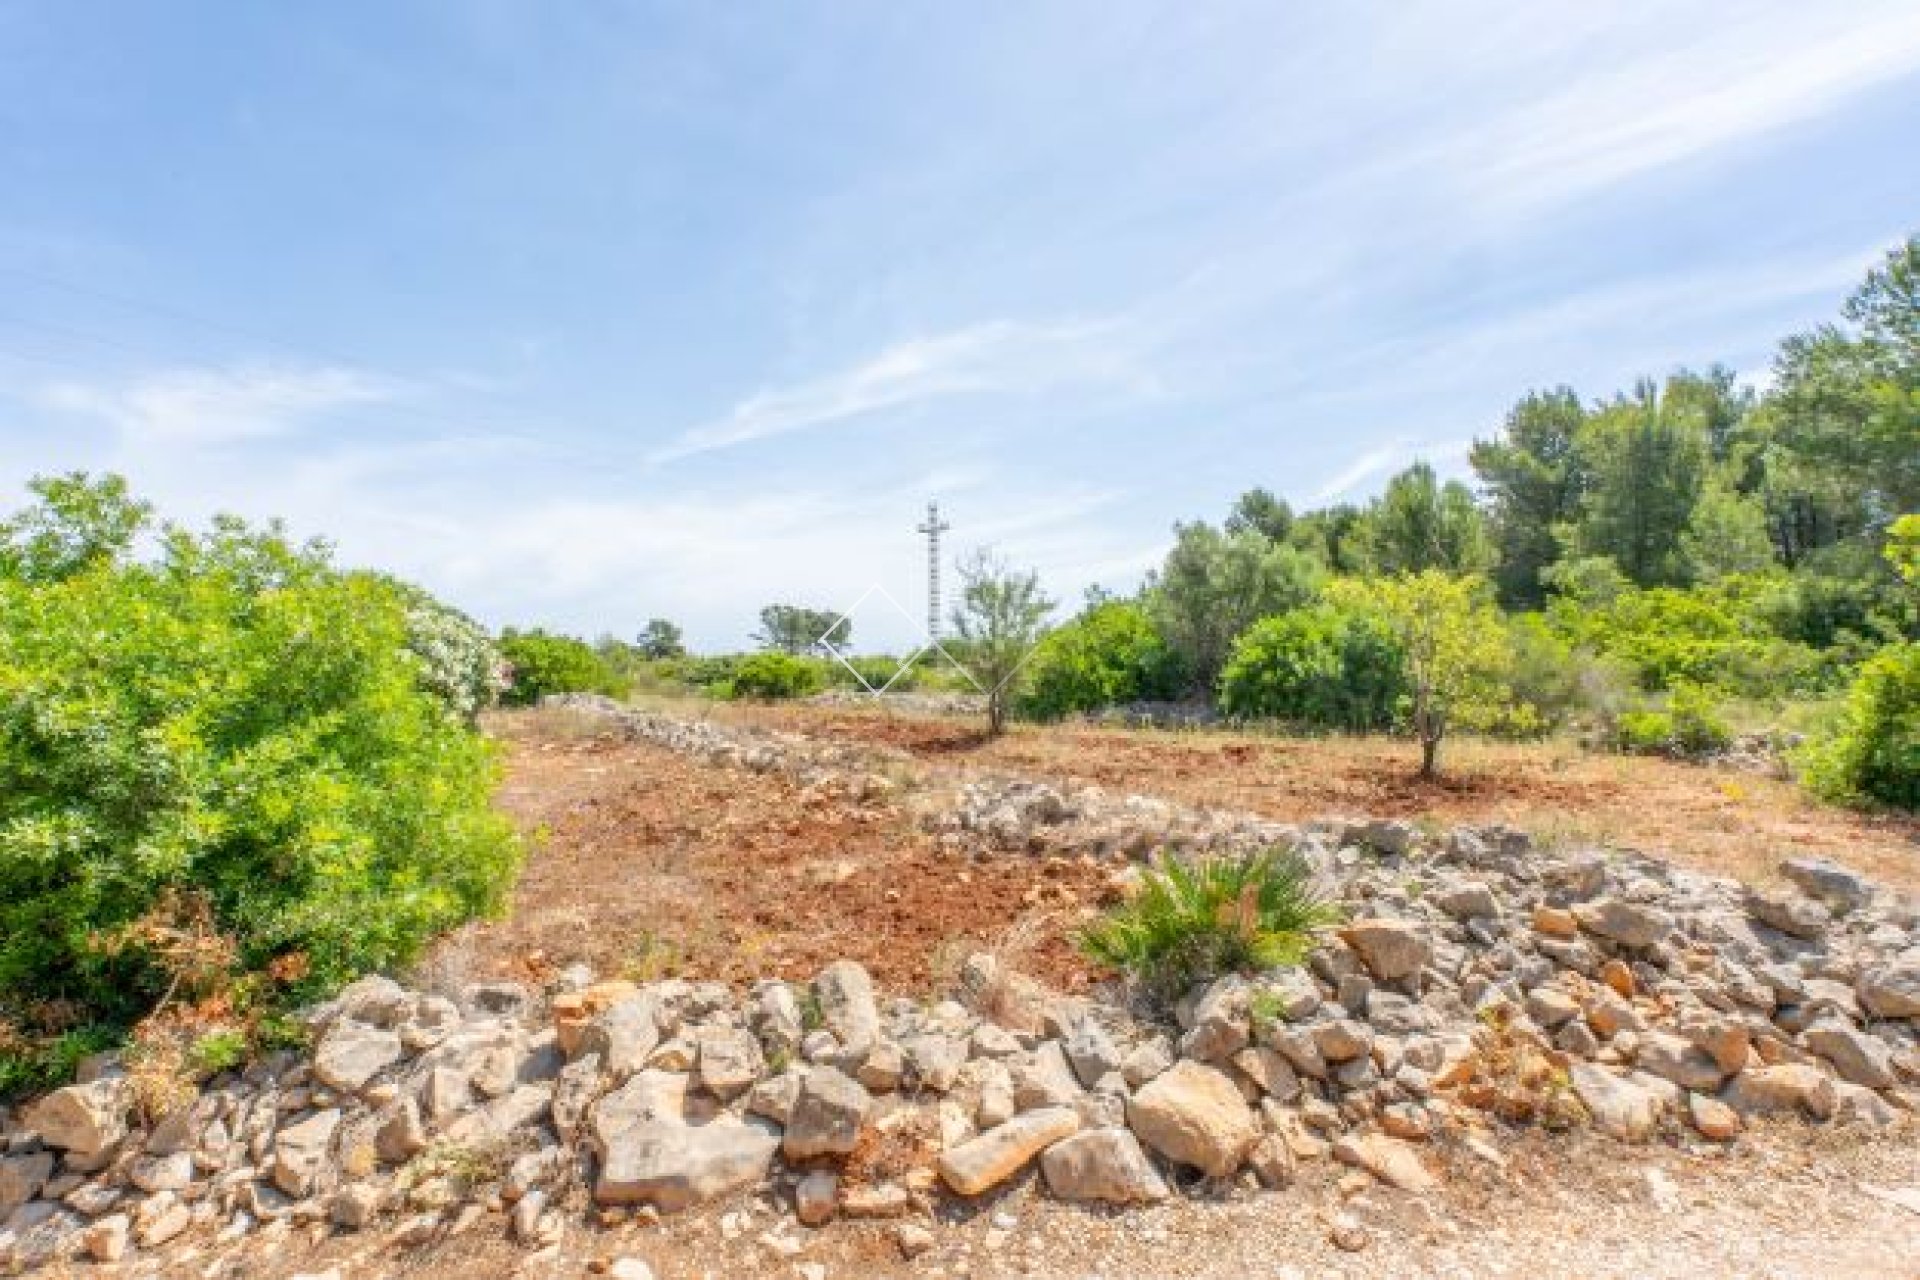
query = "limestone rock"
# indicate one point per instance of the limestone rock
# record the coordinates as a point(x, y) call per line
point(1618, 1106)
point(1890, 990)
point(1837, 886)
point(1789, 913)
point(1712, 1117)
point(1672, 1058)
point(82, 1119)
point(1195, 1115)
point(1391, 949)
point(828, 1114)
point(1631, 924)
point(352, 1053)
point(1784, 1088)
point(1102, 1164)
point(1000, 1152)
point(300, 1150)
point(730, 1062)
point(675, 1166)
point(845, 992)
point(623, 1035)
point(817, 1197)
point(1389, 1159)
point(1859, 1058)
point(21, 1178)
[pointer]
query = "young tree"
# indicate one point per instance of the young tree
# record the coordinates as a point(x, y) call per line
point(660, 639)
point(1456, 644)
point(794, 628)
point(1214, 586)
point(1262, 512)
point(79, 523)
point(1000, 618)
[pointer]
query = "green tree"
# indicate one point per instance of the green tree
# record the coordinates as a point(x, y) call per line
point(1001, 616)
point(1418, 523)
point(794, 628)
point(1213, 586)
point(1320, 666)
point(79, 523)
point(1647, 463)
point(1726, 534)
point(1535, 479)
point(1843, 421)
point(1262, 512)
point(660, 639)
point(1456, 647)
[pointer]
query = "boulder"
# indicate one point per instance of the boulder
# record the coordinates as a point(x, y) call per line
point(675, 1166)
point(81, 1119)
point(936, 1059)
point(1091, 1052)
point(1787, 1087)
point(1618, 1106)
point(300, 1152)
point(1391, 1160)
point(847, 1009)
point(649, 1097)
point(1859, 1058)
point(730, 1062)
point(1467, 900)
point(1788, 913)
point(996, 1155)
point(1044, 1079)
point(828, 1114)
point(352, 1053)
point(1631, 924)
point(1195, 1115)
point(1221, 1021)
point(1672, 1058)
point(623, 1035)
point(1102, 1164)
point(1391, 949)
point(1839, 887)
point(1890, 990)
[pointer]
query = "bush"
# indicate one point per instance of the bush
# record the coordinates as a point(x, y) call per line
point(1690, 726)
point(1873, 753)
point(775, 675)
point(876, 669)
point(241, 726)
point(1321, 666)
point(1196, 921)
point(541, 663)
point(1714, 637)
point(1110, 654)
point(458, 661)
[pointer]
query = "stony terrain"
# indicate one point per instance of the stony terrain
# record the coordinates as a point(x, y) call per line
point(1493, 1018)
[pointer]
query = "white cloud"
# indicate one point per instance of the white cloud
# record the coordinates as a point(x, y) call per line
point(995, 356)
point(1395, 455)
point(200, 407)
point(1720, 85)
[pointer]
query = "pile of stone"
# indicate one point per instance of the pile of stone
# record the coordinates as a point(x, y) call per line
point(1479, 980)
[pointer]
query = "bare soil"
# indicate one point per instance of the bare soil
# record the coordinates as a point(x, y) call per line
point(1711, 818)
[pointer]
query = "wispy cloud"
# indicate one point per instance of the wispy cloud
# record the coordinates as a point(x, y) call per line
point(996, 356)
point(1392, 456)
point(200, 407)
point(1687, 100)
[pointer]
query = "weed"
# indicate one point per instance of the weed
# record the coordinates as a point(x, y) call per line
point(216, 1051)
point(812, 1017)
point(1267, 1010)
point(652, 958)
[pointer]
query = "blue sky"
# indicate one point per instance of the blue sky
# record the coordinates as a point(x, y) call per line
point(582, 313)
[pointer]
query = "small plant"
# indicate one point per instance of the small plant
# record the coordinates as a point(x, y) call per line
point(776, 675)
point(1266, 1010)
point(216, 1051)
point(1195, 921)
point(652, 958)
point(812, 1017)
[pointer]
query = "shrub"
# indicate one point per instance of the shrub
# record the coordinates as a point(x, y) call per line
point(1689, 726)
point(1715, 637)
point(879, 671)
point(237, 725)
point(458, 661)
point(1873, 753)
point(775, 675)
point(1321, 666)
point(1108, 655)
point(1196, 921)
point(542, 663)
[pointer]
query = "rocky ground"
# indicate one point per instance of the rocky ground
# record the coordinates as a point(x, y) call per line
point(1509, 1059)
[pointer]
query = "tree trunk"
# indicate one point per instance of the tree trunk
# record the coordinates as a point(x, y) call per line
point(1429, 756)
point(996, 715)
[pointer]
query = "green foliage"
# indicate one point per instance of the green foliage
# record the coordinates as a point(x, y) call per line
point(34, 1066)
point(1690, 726)
point(1213, 586)
point(78, 524)
point(1110, 654)
point(792, 628)
point(1716, 638)
point(1000, 618)
point(1725, 535)
point(217, 1051)
point(1193, 921)
point(1457, 651)
point(1646, 464)
point(1534, 477)
point(1320, 666)
point(541, 663)
point(1873, 754)
point(240, 721)
point(660, 638)
point(1418, 523)
point(775, 675)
